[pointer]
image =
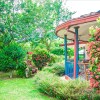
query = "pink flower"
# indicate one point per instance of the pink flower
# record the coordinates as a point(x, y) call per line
point(99, 66)
point(98, 69)
point(93, 59)
point(30, 53)
point(91, 73)
point(96, 84)
point(98, 49)
point(97, 76)
point(92, 82)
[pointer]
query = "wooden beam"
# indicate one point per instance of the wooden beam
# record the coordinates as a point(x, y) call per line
point(68, 44)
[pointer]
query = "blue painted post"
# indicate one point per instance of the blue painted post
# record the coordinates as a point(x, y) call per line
point(65, 47)
point(84, 53)
point(76, 54)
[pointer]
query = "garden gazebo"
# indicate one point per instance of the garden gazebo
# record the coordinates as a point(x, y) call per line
point(77, 31)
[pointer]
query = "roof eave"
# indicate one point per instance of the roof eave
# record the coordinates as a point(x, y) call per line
point(77, 21)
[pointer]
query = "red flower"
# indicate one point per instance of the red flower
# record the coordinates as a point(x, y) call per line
point(98, 70)
point(96, 84)
point(30, 53)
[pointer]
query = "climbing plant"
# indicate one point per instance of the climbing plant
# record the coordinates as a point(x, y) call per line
point(94, 54)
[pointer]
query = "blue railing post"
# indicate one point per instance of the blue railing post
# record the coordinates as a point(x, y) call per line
point(65, 47)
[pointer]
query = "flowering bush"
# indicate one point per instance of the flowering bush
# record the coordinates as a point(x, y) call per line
point(41, 58)
point(94, 55)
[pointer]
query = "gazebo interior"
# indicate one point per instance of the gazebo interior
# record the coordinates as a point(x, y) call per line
point(76, 30)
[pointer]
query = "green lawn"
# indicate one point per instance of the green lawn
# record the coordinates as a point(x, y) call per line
point(20, 89)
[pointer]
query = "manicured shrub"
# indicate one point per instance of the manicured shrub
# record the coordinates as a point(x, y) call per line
point(56, 68)
point(11, 56)
point(63, 90)
point(40, 58)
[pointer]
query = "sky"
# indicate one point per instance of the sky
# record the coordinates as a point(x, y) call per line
point(82, 6)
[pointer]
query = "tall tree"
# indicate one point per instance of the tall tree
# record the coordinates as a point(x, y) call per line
point(17, 20)
point(52, 13)
point(28, 20)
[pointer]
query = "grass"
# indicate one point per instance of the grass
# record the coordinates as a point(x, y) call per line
point(20, 89)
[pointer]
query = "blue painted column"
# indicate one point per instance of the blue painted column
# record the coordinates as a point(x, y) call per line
point(84, 53)
point(76, 53)
point(65, 47)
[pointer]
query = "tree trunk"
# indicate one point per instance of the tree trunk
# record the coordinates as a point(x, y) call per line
point(11, 74)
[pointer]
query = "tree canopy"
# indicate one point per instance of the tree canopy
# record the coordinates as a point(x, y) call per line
point(28, 20)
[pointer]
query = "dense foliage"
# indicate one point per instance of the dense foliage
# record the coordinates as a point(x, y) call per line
point(51, 85)
point(60, 51)
point(40, 58)
point(56, 68)
point(94, 54)
point(21, 69)
point(70, 52)
point(11, 56)
point(28, 22)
